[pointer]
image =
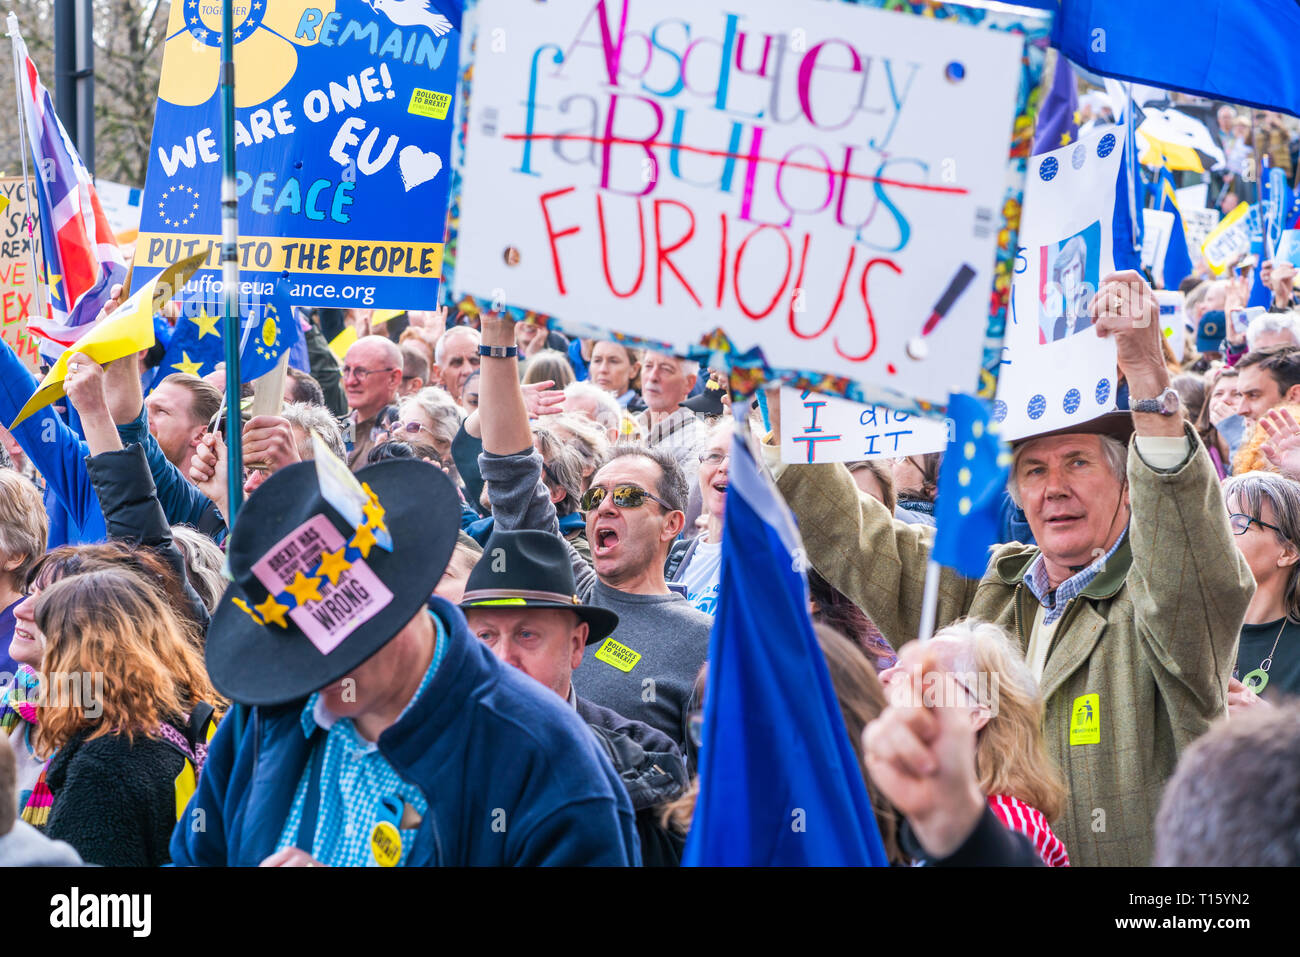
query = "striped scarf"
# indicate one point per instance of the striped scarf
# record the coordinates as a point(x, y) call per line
point(18, 710)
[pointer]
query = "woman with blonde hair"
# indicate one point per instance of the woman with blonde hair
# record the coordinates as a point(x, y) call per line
point(123, 700)
point(975, 666)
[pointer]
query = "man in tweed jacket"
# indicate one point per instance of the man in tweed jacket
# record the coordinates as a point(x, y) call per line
point(1128, 610)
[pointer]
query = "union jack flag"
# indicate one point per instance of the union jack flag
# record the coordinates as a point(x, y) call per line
point(82, 260)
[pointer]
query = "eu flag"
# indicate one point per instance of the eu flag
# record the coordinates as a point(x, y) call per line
point(779, 782)
point(972, 478)
point(1056, 126)
point(1243, 52)
point(1178, 261)
point(267, 329)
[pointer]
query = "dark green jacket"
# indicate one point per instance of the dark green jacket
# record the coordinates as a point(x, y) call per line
point(1154, 636)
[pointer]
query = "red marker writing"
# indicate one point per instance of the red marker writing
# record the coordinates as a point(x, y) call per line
point(916, 348)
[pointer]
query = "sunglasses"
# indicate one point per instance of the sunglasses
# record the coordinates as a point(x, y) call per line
point(1241, 524)
point(625, 496)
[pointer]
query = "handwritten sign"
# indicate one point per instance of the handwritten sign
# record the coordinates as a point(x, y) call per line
point(824, 182)
point(17, 274)
point(342, 140)
point(826, 428)
point(1057, 370)
point(1198, 223)
point(1228, 240)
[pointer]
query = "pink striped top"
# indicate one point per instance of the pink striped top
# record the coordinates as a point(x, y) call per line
point(1029, 821)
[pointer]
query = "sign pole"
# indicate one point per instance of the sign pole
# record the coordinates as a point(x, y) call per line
point(230, 266)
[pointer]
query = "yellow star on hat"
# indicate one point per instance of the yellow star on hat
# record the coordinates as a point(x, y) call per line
point(363, 540)
point(272, 611)
point(332, 565)
point(304, 589)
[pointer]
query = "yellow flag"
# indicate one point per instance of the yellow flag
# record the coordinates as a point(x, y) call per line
point(129, 328)
point(341, 343)
point(380, 316)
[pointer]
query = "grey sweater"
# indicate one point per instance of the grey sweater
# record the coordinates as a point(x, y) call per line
point(646, 670)
point(24, 846)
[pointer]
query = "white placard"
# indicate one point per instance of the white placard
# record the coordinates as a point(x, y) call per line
point(1157, 227)
point(1198, 223)
point(1056, 370)
point(825, 428)
point(820, 174)
point(1173, 321)
point(1196, 196)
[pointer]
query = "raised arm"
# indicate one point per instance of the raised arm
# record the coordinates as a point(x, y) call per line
point(1190, 584)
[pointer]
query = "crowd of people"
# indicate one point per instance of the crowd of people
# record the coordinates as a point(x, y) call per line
point(490, 645)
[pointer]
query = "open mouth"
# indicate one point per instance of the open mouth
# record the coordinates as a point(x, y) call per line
point(720, 488)
point(606, 540)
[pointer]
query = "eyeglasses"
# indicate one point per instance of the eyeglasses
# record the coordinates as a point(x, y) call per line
point(714, 458)
point(363, 374)
point(625, 496)
point(413, 428)
point(1241, 524)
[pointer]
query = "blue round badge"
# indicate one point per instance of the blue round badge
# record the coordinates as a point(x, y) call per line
point(1103, 391)
point(1106, 144)
point(954, 72)
point(999, 410)
point(1071, 402)
point(1047, 172)
point(1037, 406)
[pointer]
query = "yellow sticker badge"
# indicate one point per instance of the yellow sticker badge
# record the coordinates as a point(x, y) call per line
point(1085, 720)
point(429, 103)
point(386, 844)
point(620, 656)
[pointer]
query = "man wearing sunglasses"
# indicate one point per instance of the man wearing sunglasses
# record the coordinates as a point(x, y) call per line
point(1128, 608)
point(635, 509)
point(372, 373)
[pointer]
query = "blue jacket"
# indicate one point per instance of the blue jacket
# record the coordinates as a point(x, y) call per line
point(485, 743)
point(59, 454)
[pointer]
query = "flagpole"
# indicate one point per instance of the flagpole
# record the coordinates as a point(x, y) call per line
point(929, 601)
point(230, 266)
point(40, 277)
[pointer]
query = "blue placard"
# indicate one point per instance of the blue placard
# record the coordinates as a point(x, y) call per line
point(344, 121)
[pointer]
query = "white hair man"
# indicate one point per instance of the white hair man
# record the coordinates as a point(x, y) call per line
point(666, 381)
point(1124, 619)
point(583, 398)
point(1272, 329)
point(456, 356)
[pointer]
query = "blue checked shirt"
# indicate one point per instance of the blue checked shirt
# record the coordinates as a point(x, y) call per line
point(1054, 603)
point(354, 779)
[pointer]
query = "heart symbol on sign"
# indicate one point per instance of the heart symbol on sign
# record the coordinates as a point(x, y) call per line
point(417, 166)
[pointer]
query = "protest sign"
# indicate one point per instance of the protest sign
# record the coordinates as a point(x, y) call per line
point(1228, 240)
point(1173, 321)
point(1157, 227)
point(18, 274)
point(826, 428)
point(822, 182)
point(1198, 223)
point(1288, 249)
point(121, 204)
point(1192, 197)
point(342, 130)
point(1056, 369)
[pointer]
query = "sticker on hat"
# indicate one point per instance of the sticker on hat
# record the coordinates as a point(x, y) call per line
point(321, 582)
point(350, 498)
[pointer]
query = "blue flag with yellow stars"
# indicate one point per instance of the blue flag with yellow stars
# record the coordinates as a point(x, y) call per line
point(267, 329)
point(972, 479)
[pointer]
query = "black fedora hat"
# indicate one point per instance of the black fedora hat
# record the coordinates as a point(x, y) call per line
point(313, 594)
point(708, 402)
point(530, 568)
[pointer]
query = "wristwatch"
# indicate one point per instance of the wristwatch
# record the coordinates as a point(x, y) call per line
point(1166, 403)
point(499, 352)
